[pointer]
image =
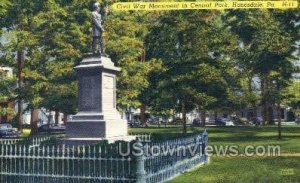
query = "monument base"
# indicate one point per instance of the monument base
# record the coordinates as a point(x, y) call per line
point(98, 118)
point(96, 125)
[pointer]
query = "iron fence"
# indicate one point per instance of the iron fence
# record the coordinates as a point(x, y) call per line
point(165, 160)
point(33, 141)
point(102, 162)
point(9, 141)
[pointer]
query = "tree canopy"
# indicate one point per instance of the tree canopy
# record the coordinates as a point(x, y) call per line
point(220, 61)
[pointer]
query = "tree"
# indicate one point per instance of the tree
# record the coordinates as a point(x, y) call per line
point(188, 43)
point(61, 93)
point(63, 40)
point(52, 45)
point(7, 93)
point(35, 83)
point(292, 96)
point(267, 42)
point(18, 22)
point(125, 36)
point(40, 41)
point(4, 4)
point(150, 93)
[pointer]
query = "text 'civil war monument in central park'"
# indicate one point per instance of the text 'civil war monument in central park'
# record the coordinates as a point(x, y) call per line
point(98, 117)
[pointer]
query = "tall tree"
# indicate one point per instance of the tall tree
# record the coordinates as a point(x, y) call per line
point(125, 36)
point(18, 22)
point(268, 42)
point(39, 41)
point(63, 41)
point(188, 43)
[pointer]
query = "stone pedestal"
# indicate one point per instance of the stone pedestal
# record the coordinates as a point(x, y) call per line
point(98, 117)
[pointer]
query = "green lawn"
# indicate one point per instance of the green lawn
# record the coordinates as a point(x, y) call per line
point(241, 136)
point(242, 169)
point(245, 169)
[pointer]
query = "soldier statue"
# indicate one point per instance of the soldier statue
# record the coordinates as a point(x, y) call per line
point(98, 29)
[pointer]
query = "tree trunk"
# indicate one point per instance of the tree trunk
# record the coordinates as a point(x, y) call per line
point(65, 118)
point(143, 111)
point(34, 121)
point(56, 116)
point(279, 120)
point(183, 111)
point(263, 102)
point(216, 116)
point(270, 115)
point(255, 113)
point(174, 114)
point(20, 60)
point(203, 117)
point(49, 118)
point(264, 113)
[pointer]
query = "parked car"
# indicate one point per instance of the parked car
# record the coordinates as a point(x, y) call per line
point(197, 122)
point(297, 120)
point(257, 121)
point(52, 128)
point(176, 121)
point(241, 121)
point(136, 124)
point(7, 131)
point(220, 122)
point(153, 120)
point(229, 123)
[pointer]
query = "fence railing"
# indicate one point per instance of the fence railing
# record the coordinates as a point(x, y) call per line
point(9, 141)
point(163, 161)
point(101, 163)
point(80, 164)
point(33, 141)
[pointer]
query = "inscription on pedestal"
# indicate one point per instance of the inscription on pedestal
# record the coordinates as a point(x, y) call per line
point(108, 92)
point(89, 92)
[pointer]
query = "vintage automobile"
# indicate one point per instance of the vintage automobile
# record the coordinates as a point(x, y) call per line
point(52, 128)
point(220, 122)
point(197, 122)
point(7, 131)
point(136, 124)
point(297, 120)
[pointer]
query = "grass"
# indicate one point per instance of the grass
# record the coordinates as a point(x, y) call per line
point(242, 169)
point(240, 136)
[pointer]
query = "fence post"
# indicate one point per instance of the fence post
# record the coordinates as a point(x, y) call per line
point(140, 167)
point(205, 141)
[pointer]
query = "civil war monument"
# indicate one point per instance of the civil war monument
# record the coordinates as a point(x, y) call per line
point(97, 116)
